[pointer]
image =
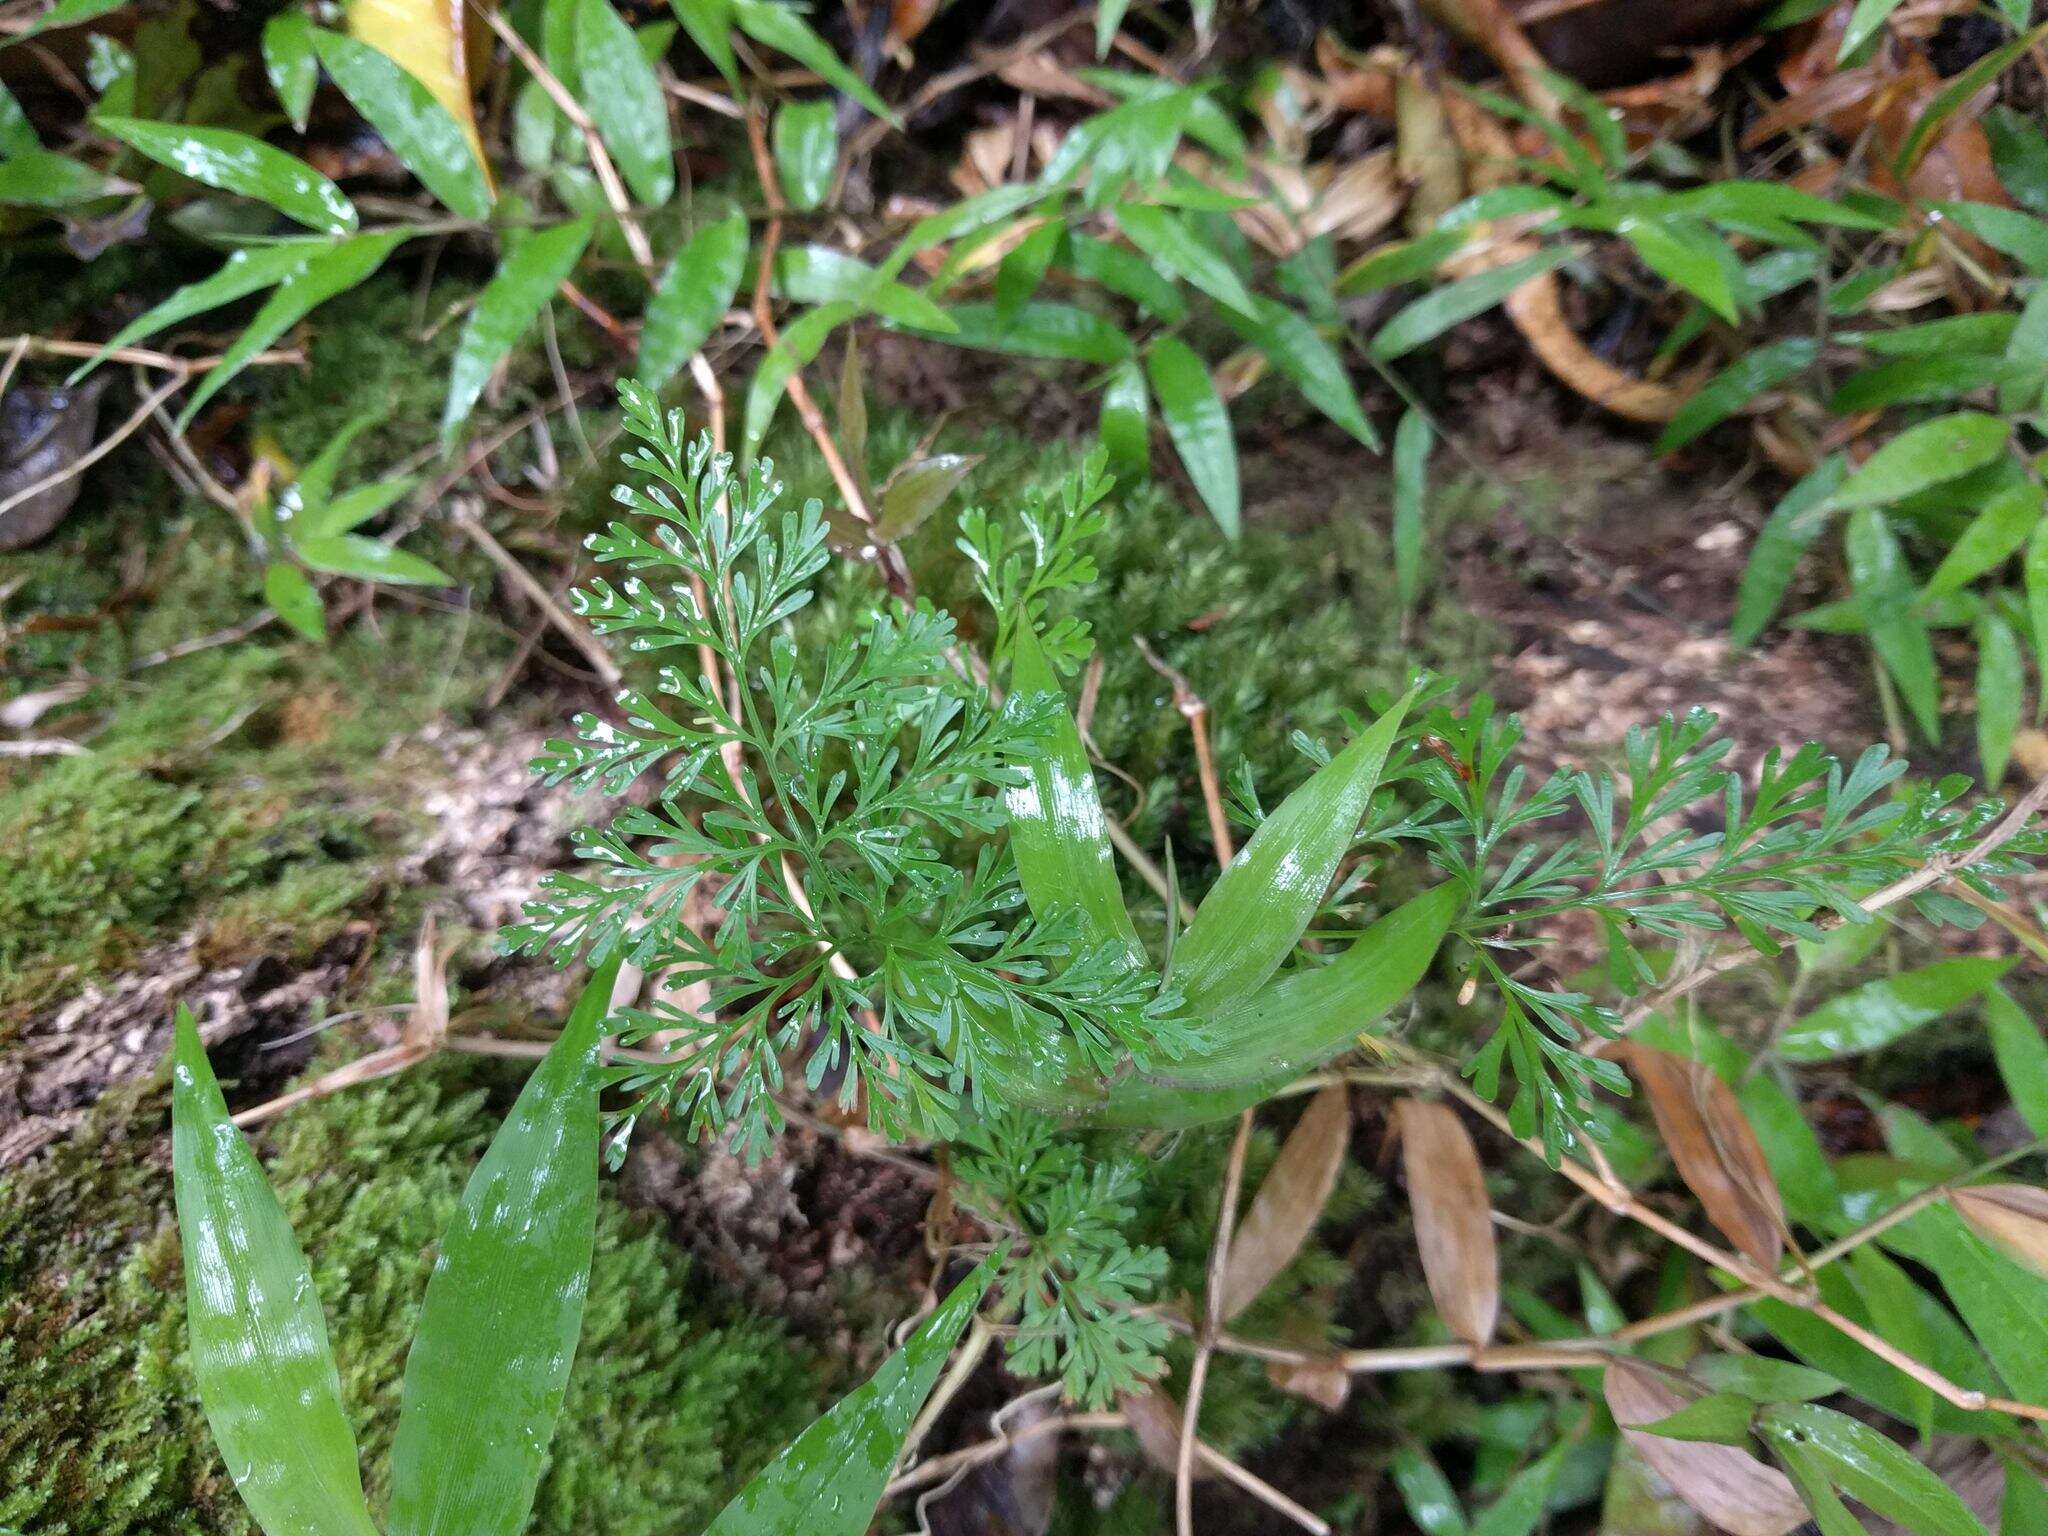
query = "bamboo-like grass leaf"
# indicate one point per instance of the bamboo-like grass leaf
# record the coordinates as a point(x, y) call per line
point(1437, 311)
point(1879, 1012)
point(1759, 369)
point(1869, 1466)
point(1126, 428)
point(259, 1343)
point(1929, 454)
point(806, 152)
point(535, 265)
point(1199, 424)
point(504, 1306)
point(1161, 235)
point(692, 297)
point(319, 276)
point(235, 162)
point(1057, 828)
point(1453, 1219)
point(429, 40)
point(1725, 1483)
point(1884, 588)
point(625, 101)
point(2022, 1057)
point(1257, 910)
point(433, 144)
point(830, 1478)
point(290, 65)
point(245, 272)
point(782, 27)
point(1411, 476)
point(1793, 524)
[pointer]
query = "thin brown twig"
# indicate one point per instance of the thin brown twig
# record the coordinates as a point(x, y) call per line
point(463, 515)
point(1212, 1324)
point(1195, 710)
point(46, 346)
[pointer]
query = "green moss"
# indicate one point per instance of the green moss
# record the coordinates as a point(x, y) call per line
point(675, 1397)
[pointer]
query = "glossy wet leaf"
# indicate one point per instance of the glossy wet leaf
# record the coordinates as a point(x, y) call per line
point(1162, 235)
point(1401, 261)
point(1758, 370)
point(366, 559)
point(1922, 381)
point(1726, 1484)
point(800, 343)
point(65, 13)
point(1880, 1012)
point(1719, 1418)
point(1125, 273)
point(1884, 591)
point(1872, 1468)
point(1453, 1217)
point(831, 1477)
point(1425, 1492)
point(709, 24)
point(1057, 829)
point(1991, 538)
point(1290, 1199)
point(1411, 475)
point(2022, 1056)
point(1297, 349)
point(1716, 1153)
point(1428, 317)
point(429, 40)
point(1956, 90)
point(917, 489)
point(782, 27)
point(692, 297)
point(1039, 329)
point(1933, 452)
point(293, 598)
point(1199, 425)
point(351, 509)
point(536, 264)
point(1895, 1305)
point(1126, 428)
point(628, 106)
point(1792, 526)
point(235, 162)
point(1309, 1014)
point(806, 137)
point(504, 1305)
point(260, 1355)
point(2003, 1302)
point(323, 272)
point(2001, 679)
point(431, 142)
point(1256, 912)
point(290, 65)
point(245, 272)
point(1690, 257)
point(42, 178)
point(1763, 1378)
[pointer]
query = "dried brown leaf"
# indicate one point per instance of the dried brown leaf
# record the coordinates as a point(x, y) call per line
point(1453, 1221)
point(1717, 1153)
point(1323, 1382)
point(1734, 1490)
point(2013, 1218)
point(1154, 1416)
point(1290, 1200)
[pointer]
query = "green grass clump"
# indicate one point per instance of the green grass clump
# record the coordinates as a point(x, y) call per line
point(675, 1399)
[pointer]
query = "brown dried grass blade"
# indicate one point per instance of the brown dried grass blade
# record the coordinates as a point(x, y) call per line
point(1734, 1490)
point(1717, 1153)
point(1290, 1200)
point(1453, 1220)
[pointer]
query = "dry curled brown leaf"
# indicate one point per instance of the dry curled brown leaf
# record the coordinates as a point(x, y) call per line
point(1290, 1200)
point(1717, 1153)
point(2013, 1218)
point(1730, 1487)
point(1453, 1220)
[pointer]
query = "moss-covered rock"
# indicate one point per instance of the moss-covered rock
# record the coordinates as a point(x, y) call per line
point(675, 1397)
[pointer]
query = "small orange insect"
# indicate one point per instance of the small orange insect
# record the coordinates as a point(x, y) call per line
point(1451, 759)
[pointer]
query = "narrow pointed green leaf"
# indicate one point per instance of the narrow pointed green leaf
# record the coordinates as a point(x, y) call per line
point(1874, 1469)
point(238, 163)
point(692, 297)
point(1830, 1516)
point(1929, 454)
point(351, 554)
point(294, 600)
point(1411, 475)
point(625, 101)
point(290, 65)
point(1880, 1012)
point(17, 133)
point(243, 273)
point(806, 152)
point(1690, 257)
point(1299, 351)
point(2034, 570)
point(1161, 235)
point(323, 273)
point(1291, 1024)
point(1863, 23)
point(1757, 370)
point(535, 266)
point(1125, 273)
point(1793, 525)
point(1199, 425)
point(1884, 589)
point(1527, 1495)
point(421, 132)
point(1894, 1304)
point(1428, 317)
point(1057, 829)
point(504, 1306)
point(1023, 268)
point(709, 23)
point(1038, 329)
point(352, 508)
point(782, 28)
point(1801, 1169)
point(800, 343)
point(42, 178)
point(1991, 538)
point(831, 1477)
point(2001, 678)
point(1426, 1493)
point(1721, 1418)
point(2025, 1507)
point(2004, 1304)
point(2022, 1057)
point(65, 13)
point(1763, 1378)
point(1956, 90)
point(917, 489)
point(1126, 429)
point(1255, 913)
point(259, 1343)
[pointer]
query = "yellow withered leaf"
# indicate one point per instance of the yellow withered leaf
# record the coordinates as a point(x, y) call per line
point(427, 39)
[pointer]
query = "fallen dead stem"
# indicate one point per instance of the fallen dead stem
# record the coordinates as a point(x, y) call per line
point(1212, 1325)
point(1195, 710)
point(45, 346)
